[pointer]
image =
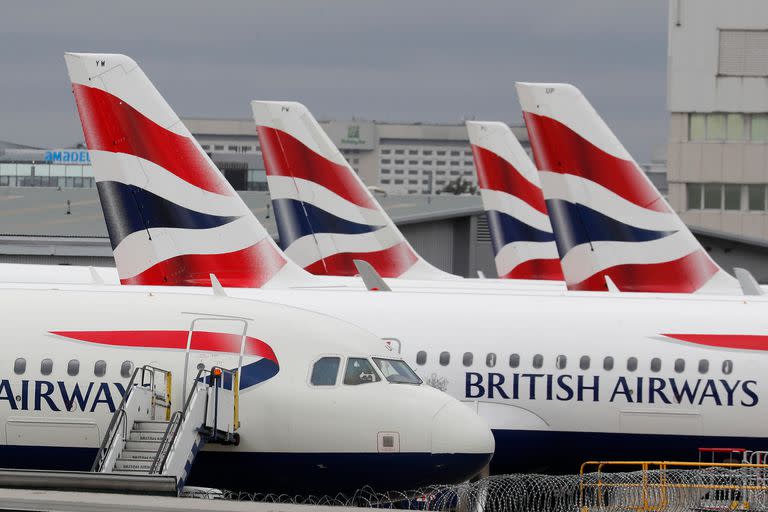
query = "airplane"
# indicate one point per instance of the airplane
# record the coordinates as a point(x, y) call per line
point(326, 216)
point(434, 330)
point(318, 396)
point(609, 220)
point(521, 234)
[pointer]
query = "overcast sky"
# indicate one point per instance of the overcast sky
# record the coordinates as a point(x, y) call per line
point(413, 60)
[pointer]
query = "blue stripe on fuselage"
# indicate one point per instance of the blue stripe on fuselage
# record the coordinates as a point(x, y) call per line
point(575, 224)
point(296, 219)
point(128, 208)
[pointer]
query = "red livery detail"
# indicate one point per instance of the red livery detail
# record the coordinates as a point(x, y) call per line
point(248, 268)
point(683, 275)
point(392, 262)
point(110, 124)
point(559, 149)
point(737, 341)
point(284, 155)
point(495, 173)
point(201, 340)
point(537, 269)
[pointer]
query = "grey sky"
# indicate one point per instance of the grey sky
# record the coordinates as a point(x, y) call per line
point(416, 60)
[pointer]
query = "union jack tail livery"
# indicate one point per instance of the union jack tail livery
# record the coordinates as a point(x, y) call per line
point(521, 234)
point(326, 217)
point(608, 218)
point(172, 217)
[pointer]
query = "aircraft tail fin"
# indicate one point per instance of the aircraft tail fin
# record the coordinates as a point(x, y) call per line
point(325, 215)
point(608, 218)
point(521, 234)
point(172, 217)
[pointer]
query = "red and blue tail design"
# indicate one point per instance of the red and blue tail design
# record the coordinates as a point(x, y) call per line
point(608, 218)
point(172, 217)
point(521, 234)
point(325, 215)
point(259, 360)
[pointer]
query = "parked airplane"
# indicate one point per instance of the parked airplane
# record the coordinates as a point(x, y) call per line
point(536, 404)
point(608, 218)
point(323, 405)
point(521, 234)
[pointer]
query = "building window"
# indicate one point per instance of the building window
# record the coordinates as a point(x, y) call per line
point(441, 162)
point(386, 161)
point(455, 153)
point(716, 127)
point(218, 148)
point(756, 197)
point(743, 53)
point(413, 151)
point(385, 171)
point(441, 153)
point(206, 147)
point(413, 162)
point(413, 171)
point(759, 132)
point(697, 128)
point(399, 151)
point(713, 196)
point(398, 182)
point(445, 358)
point(693, 193)
point(427, 162)
point(454, 162)
point(399, 171)
point(734, 127)
point(413, 182)
point(399, 162)
point(732, 197)
point(385, 151)
point(426, 152)
point(232, 148)
point(385, 182)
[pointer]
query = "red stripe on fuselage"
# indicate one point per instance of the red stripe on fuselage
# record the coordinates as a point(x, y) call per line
point(559, 149)
point(248, 268)
point(683, 275)
point(392, 262)
point(284, 155)
point(495, 173)
point(110, 124)
point(737, 341)
point(204, 341)
point(540, 269)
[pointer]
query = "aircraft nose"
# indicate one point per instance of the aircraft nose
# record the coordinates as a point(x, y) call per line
point(462, 439)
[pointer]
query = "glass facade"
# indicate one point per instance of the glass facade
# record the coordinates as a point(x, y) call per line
point(46, 175)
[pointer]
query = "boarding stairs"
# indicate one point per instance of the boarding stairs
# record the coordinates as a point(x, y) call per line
point(147, 437)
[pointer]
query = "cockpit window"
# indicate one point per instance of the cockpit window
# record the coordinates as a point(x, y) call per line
point(324, 371)
point(397, 371)
point(359, 371)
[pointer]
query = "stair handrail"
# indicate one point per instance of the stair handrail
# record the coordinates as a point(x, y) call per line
point(120, 415)
point(174, 425)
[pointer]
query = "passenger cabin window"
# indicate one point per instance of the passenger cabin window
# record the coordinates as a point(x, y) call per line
point(727, 366)
point(655, 365)
point(608, 363)
point(467, 359)
point(126, 369)
point(538, 361)
point(514, 360)
point(324, 371)
point(421, 358)
point(19, 366)
point(490, 360)
point(360, 371)
point(396, 371)
point(445, 358)
point(632, 364)
point(560, 362)
point(584, 362)
point(703, 365)
point(46, 366)
point(100, 368)
point(679, 365)
point(73, 367)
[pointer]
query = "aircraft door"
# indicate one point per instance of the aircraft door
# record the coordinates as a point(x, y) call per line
point(213, 342)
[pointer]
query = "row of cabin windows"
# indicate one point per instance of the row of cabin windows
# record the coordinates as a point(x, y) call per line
point(73, 367)
point(561, 362)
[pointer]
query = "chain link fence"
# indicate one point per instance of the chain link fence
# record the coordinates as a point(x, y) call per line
point(647, 490)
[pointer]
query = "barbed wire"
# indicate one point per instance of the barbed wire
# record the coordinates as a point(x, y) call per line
point(668, 490)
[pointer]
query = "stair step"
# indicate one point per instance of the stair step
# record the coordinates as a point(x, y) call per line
point(146, 435)
point(150, 426)
point(138, 455)
point(142, 445)
point(132, 465)
point(137, 471)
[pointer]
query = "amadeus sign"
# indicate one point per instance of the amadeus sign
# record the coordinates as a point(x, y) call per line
point(351, 134)
point(68, 156)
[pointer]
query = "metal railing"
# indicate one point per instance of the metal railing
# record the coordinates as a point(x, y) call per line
point(119, 418)
point(738, 485)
